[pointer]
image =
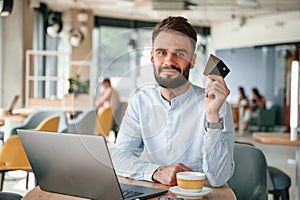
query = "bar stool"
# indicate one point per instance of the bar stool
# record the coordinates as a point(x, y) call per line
point(278, 184)
point(10, 196)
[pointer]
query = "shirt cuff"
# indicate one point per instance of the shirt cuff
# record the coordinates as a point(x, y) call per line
point(149, 171)
point(211, 138)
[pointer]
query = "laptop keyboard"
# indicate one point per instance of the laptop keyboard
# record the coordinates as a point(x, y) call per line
point(129, 193)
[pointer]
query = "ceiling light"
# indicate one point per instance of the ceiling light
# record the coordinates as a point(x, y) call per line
point(6, 7)
point(125, 3)
point(54, 24)
point(171, 5)
point(76, 37)
point(247, 3)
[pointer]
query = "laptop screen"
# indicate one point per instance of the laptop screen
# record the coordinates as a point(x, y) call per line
point(73, 164)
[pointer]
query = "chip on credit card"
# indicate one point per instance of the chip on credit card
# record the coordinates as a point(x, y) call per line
point(216, 66)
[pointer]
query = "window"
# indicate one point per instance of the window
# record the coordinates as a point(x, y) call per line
point(47, 67)
point(123, 53)
point(44, 69)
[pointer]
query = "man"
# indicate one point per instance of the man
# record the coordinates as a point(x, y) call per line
point(169, 122)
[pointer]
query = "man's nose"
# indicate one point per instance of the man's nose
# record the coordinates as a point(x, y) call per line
point(170, 59)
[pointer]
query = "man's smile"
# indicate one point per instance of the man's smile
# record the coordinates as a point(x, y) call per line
point(169, 70)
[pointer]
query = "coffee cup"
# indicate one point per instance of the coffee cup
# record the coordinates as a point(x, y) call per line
point(190, 181)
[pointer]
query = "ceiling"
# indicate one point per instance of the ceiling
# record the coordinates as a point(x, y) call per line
point(199, 12)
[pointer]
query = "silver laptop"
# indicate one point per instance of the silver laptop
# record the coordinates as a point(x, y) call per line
point(77, 165)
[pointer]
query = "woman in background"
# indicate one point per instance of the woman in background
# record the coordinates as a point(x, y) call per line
point(108, 96)
point(257, 102)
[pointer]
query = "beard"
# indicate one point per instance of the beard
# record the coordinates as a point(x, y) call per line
point(169, 82)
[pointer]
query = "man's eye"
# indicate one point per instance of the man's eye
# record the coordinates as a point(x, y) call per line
point(180, 54)
point(161, 53)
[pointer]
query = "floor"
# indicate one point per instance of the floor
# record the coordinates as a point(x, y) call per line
point(276, 156)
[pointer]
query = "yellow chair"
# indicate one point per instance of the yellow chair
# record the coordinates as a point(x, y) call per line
point(13, 157)
point(49, 124)
point(104, 119)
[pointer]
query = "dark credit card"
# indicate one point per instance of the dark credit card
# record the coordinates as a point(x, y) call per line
point(216, 66)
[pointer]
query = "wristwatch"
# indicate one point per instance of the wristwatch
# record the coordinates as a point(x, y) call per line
point(214, 125)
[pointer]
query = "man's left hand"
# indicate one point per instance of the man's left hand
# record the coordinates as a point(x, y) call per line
point(216, 93)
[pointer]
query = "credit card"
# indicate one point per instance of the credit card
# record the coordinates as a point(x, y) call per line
point(216, 66)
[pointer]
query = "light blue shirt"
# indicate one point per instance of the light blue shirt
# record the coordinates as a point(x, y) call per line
point(173, 132)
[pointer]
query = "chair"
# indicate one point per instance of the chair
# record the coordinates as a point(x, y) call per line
point(84, 123)
point(104, 121)
point(249, 181)
point(118, 116)
point(13, 157)
point(278, 182)
point(263, 120)
point(34, 119)
point(49, 124)
point(10, 196)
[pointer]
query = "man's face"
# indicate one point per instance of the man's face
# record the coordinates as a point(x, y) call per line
point(172, 57)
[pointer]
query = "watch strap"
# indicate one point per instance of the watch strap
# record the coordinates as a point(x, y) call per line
point(214, 125)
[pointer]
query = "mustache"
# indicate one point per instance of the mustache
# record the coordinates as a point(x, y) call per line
point(170, 67)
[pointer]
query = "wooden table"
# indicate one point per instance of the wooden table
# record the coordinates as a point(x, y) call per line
point(16, 118)
point(7, 121)
point(282, 139)
point(19, 115)
point(216, 194)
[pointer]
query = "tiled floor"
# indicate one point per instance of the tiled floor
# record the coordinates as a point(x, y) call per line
point(276, 156)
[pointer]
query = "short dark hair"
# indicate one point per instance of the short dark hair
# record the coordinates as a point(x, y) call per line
point(178, 24)
point(107, 80)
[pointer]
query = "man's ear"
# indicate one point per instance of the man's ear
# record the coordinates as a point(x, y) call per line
point(193, 61)
point(152, 59)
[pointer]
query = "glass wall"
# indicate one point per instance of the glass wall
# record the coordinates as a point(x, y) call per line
point(124, 53)
point(265, 68)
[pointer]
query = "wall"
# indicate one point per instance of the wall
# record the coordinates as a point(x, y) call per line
point(13, 50)
point(258, 67)
point(83, 51)
point(280, 28)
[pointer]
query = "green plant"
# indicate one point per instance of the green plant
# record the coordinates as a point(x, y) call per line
point(77, 87)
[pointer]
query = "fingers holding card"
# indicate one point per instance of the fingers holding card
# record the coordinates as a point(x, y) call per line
point(216, 66)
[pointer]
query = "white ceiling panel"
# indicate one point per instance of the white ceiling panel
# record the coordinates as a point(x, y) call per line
point(200, 12)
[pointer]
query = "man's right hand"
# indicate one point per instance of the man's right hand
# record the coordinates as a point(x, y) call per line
point(167, 175)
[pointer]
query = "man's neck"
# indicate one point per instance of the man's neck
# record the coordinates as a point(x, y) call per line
point(168, 93)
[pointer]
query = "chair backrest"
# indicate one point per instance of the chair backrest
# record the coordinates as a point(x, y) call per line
point(49, 124)
point(34, 119)
point(249, 181)
point(118, 114)
point(104, 121)
point(13, 156)
point(266, 117)
point(84, 123)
